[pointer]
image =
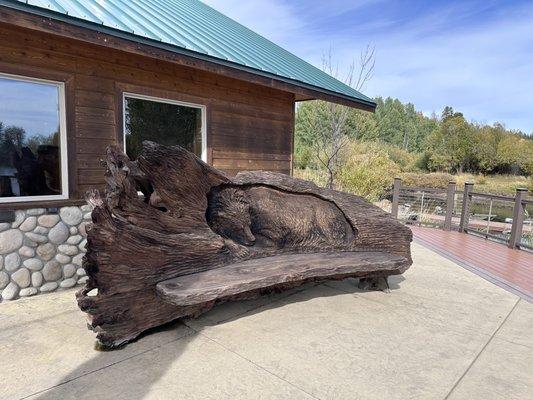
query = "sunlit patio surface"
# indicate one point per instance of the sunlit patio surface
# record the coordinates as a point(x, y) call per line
point(441, 333)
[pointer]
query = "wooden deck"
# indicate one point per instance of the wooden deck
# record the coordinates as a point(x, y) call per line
point(509, 269)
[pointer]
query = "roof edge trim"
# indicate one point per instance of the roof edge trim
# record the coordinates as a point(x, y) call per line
point(329, 94)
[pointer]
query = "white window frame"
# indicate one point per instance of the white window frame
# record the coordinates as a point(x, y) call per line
point(201, 107)
point(62, 142)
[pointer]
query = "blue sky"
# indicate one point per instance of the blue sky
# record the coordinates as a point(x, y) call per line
point(32, 106)
point(476, 56)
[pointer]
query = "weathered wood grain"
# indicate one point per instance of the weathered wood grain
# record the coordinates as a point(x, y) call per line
point(195, 220)
point(245, 278)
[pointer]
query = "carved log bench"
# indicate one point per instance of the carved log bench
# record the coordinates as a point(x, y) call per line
point(251, 276)
point(196, 238)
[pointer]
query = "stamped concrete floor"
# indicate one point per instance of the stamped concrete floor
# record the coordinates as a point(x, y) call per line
point(442, 333)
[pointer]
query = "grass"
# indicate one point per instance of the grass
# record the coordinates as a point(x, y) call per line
point(494, 184)
point(320, 178)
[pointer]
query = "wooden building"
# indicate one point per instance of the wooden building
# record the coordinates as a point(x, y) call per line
point(77, 76)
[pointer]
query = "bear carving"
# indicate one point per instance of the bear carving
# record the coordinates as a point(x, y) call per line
point(265, 217)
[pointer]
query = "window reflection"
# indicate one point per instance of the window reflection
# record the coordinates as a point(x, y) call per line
point(164, 123)
point(30, 156)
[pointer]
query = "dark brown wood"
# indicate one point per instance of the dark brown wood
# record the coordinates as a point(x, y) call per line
point(194, 218)
point(248, 278)
point(95, 100)
point(242, 117)
point(240, 155)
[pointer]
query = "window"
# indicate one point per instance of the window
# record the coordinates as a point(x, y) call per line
point(163, 121)
point(33, 160)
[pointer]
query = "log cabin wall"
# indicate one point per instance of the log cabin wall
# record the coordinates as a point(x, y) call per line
point(249, 127)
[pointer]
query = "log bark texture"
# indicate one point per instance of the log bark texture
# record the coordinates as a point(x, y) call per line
point(192, 218)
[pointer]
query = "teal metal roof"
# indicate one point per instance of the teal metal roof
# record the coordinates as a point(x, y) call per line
point(193, 28)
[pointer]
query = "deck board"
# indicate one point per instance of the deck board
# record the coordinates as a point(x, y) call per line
point(508, 268)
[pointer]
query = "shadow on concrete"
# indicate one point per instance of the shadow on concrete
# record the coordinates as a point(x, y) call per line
point(93, 385)
point(300, 294)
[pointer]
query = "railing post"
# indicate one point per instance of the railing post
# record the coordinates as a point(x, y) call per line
point(518, 219)
point(396, 197)
point(450, 203)
point(465, 215)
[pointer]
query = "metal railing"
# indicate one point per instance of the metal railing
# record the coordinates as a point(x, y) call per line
point(502, 218)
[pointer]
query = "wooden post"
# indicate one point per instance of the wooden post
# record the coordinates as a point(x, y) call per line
point(396, 197)
point(421, 208)
point(450, 203)
point(518, 219)
point(463, 225)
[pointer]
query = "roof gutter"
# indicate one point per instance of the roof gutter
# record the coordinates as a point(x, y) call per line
point(42, 12)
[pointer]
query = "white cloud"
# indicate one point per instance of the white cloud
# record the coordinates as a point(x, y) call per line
point(481, 69)
point(483, 72)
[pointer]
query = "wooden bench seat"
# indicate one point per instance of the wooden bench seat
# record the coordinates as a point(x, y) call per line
point(197, 238)
point(249, 276)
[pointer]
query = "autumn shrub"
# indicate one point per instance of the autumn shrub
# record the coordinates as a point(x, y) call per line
point(494, 184)
point(367, 171)
point(318, 176)
point(422, 161)
point(404, 159)
point(437, 180)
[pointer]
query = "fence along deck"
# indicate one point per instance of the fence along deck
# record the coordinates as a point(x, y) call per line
point(453, 209)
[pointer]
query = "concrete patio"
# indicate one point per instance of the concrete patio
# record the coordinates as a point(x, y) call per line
point(442, 333)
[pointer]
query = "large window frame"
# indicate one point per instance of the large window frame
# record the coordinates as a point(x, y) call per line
point(62, 142)
point(201, 107)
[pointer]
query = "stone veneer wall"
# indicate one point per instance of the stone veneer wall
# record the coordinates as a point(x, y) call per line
point(42, 252)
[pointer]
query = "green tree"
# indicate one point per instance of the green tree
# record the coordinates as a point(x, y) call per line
point(515, 154)
point(451, 145)
point(447, 112)
point(448, 143)
point(16, 135)
point(361, 125)
point(34, 141)
point(391, 120)
point(487, 140)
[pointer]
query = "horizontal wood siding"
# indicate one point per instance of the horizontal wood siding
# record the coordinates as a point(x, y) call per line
point(249, 126)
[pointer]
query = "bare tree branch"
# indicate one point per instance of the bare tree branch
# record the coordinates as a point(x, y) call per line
point(367, 62)
point(330, 134)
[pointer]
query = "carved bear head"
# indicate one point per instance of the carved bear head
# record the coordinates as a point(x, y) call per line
point(228, 214)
